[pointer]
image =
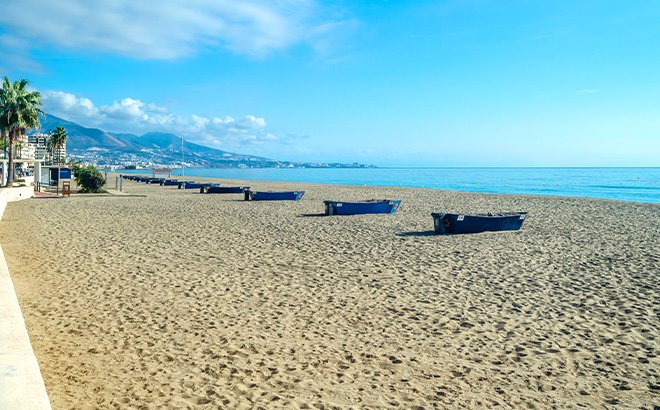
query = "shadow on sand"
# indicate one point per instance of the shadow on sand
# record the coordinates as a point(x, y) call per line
point(417, 233)
point(310, 215)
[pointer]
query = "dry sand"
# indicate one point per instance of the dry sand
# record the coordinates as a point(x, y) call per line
point(179, 300)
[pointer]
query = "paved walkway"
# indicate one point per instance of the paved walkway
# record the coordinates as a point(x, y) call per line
point(46, 195)
point(21, 384)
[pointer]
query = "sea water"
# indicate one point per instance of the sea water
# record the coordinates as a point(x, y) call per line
point(625, 184)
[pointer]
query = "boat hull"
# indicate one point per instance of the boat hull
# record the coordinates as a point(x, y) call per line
point(445, 223)
point(226, 189)
point(192, 185)
point(182, 184)
point(361, 208)
point(170, 182)
point(273, 196)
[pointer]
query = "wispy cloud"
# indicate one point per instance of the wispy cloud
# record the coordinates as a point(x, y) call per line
point(14, 55)
point(133, 115)
point(167, 29)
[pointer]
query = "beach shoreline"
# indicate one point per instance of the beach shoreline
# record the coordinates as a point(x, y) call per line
point(179, 299)
point(626, 184)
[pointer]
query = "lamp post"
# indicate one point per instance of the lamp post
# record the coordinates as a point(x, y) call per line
point(182, 159)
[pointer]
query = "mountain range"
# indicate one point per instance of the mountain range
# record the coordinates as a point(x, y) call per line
point(100, 147)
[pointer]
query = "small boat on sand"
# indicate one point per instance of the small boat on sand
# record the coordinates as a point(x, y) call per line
point(273, 196)
point(191, 185)
point(445, 223)
point(170, 182)
point(182, 184)
point(217, 189)
point(373, 206)
point(155, 181)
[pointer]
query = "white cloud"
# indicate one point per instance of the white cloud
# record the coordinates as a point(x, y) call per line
point(255, 122)
point(14, 54)
point(133, 115)
point(325, 36)
point(163, 29)
point(127, 109)
point(62, 102)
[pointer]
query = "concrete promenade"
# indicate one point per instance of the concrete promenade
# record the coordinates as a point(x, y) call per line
point(21, 384)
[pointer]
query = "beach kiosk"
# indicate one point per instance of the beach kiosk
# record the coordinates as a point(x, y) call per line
point(162, 173)
point(58, 176)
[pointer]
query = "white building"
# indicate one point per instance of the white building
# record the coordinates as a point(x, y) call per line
point(40, 143)
point(24, 150)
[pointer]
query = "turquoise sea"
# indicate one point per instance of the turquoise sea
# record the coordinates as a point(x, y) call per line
point(625, 184)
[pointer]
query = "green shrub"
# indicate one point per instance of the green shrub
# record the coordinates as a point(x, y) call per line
point(89, 179)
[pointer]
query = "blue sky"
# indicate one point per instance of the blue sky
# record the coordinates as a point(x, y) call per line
point(439, 83)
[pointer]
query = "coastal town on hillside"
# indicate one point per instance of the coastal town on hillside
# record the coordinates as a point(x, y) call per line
point(38, 146)
point(148, 158)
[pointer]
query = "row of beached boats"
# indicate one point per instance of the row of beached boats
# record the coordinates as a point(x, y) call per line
point(444, 223)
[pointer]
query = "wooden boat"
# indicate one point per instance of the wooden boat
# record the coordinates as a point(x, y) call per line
point(374, 206)
point(273, 196)
point(170, 182)
point(154, 180)
point(217, 189)
point(445, 223)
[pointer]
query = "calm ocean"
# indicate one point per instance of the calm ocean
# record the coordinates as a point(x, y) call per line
point(626, 184)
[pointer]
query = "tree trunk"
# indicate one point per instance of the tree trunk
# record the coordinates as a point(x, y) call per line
point(10, 165)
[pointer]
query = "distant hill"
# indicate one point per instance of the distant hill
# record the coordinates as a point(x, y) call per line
point(82, 137)
point(163, 140)
point(156, 140)
point(155, 148)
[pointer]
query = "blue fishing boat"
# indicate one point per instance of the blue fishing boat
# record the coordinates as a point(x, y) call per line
point(154, 180)
point(226, 189)
point(183, 183)
point(273, 196)
point(445, 223)
point(170, 182)
point(192, 185)
point(373, 206)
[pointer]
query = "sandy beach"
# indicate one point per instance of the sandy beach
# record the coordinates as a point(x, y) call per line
point(180, 300)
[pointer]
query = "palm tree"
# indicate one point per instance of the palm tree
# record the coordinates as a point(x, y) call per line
point(3, 142)
point(19, 110)
point(57, 140)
